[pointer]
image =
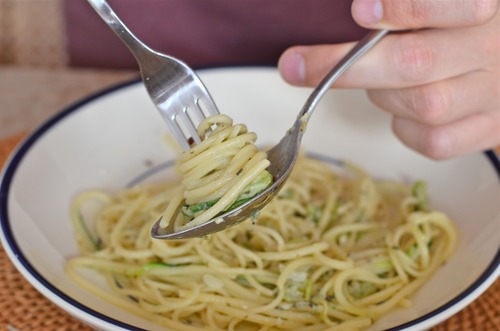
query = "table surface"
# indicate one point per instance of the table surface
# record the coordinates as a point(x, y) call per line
point(27, 98)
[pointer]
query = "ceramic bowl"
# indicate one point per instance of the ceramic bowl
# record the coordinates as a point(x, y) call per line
point(116, 138)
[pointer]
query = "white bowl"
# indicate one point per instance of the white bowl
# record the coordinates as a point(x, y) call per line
point(115, 138)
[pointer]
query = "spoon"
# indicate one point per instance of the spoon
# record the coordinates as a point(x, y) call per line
point(282, 156)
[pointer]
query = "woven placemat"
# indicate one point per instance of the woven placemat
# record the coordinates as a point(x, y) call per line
point(22, 308)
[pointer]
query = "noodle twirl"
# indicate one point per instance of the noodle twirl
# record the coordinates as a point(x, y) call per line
point(222, 172)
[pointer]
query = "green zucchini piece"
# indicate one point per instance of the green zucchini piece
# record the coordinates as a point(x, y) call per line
point(419, 191)
point(259, 184)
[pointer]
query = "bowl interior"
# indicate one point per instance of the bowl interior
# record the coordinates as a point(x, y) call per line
point(118, 138)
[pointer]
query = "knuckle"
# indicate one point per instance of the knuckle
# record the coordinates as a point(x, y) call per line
point(419, 12)
point(408, 13)
point(491, 47)
point(429, 103)
point(413, 58)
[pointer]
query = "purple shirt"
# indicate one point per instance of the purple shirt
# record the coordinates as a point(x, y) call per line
point(206, 33)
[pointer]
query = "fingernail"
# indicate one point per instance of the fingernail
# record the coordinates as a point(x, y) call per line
point(367, 12)
point(292, 68)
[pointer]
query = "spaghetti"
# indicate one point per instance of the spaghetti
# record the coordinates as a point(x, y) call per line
point(222, 172)
point(331, 252)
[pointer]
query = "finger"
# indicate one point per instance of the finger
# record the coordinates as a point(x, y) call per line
point(414, 14)
point(472, 133)
point(443, 101)
point(307, 65)
point(400, 60)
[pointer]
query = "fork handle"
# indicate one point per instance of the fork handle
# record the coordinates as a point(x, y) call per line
point(137, 47)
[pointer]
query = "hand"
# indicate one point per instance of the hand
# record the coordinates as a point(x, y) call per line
point(440, 81)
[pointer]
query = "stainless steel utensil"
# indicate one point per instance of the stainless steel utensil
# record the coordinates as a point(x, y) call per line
point(174, 88)
point(282, 156)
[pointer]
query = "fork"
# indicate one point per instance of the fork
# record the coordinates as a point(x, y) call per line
point(282, 156)
point(175, 89)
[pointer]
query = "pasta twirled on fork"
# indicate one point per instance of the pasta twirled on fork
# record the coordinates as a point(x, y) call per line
point(222, 172)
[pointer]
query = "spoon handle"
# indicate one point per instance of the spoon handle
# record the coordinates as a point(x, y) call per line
point(365, 44)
